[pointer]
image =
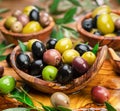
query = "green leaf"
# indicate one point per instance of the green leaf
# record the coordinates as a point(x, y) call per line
point(95, 48)
point(61, 108)
point(22, 97)
point(22, 46)
point(2, 45)
point(2, 57)
point(1, 18)
point(118, 1)
point(48, 108)
point(109, 107)
point(17, 109)
point(75, 2)
point(3, 10)
point(54, 5)
point(68, 17)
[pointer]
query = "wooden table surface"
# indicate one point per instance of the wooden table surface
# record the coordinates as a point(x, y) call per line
point(105, 77)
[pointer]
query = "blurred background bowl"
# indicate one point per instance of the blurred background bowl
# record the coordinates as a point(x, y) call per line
point(12, 37)
point(92, 39)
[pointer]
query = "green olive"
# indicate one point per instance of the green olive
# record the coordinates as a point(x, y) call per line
point(100, 10)
point(31, 27)
point(105, 24)
point(110, 35)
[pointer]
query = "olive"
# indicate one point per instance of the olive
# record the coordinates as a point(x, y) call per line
point(117, 24)
point(60, 99)
point(118, 32)
point(9, 21)
point(80, 65)
point(31, 27)
point(114, 16)
point(65, 74)
point(44, 19)
point(1, 71)
point(98, 33)
point(105, 24)
point(8, 60)
point(52, 57)
point(22, 61)
point(82, 48)
point(24, 19)
point(110, 35)
point(38, 48)
point(100, 94)
point(50, 44)
point(88, 24)
point(17, 13)
point(36, 68)
point(34, 15)
point(17, 27)
point(101, 10)
point(94, 22)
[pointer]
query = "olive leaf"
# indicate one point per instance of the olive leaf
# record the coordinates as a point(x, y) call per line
point(60, 108)
point(22, 46)
point(3, 10)
point(75, 2)
point(17, 109)
point(68, 17)
point(109, 107)
point(53, 6)
point(2, 57)
point(48, 108)
point(95, 48)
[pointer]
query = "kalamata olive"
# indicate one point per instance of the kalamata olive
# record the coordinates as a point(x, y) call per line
point(38, 48)
point(23, 61)
point(60, 99)
point(8, 60)
point(51, 43)
point(44, 19)
point(65, 74)
point(17, 27)
point(34, 15)
point(52, 57)
point(24, 19)
point(17, 13)
point(36, 67)
point(100, 94)
point(1, 71)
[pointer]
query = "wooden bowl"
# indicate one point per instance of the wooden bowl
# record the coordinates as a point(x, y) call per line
point(51, 87)
point(115, 59)
point(113, 42)
point(12, 37)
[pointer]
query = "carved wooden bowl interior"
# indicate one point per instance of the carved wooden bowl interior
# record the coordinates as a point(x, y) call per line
point(51, 87)
point(113, 42)
point(115, 59)
point(12, 37)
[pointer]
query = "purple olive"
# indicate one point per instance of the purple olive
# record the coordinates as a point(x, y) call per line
point(100, 94)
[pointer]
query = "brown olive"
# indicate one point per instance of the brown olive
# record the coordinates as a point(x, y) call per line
point(44, 19)
point(117, 23)
point(1, 71)
point(60, 99)
point(17, 27)
point(17, 13)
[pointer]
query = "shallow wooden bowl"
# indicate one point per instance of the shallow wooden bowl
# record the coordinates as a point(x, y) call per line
point(51, 87)
point(113, 42)
point(12, 37)
point(115, 59)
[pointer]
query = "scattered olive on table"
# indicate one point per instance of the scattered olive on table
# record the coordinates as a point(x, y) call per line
point(100, 94)
point(103, 22)
point(28, 20)
point(56, 60)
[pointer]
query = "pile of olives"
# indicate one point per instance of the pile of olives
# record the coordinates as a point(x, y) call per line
point(57, 60)
point(103, 22)
point(29, 20)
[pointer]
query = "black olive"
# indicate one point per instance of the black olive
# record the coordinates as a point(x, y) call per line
point(82, 48)
point(51, 43)
point(88, 24)
point(94, 22)
point(98, 33)
point(34, 15)
point(65, 74)
point(36, 67)
point(23, 61)
point(38, 48)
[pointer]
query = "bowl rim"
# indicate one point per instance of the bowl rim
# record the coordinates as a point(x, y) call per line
point(90, 35)
point(44, 30)
point(68, 88)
